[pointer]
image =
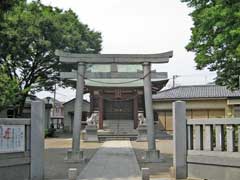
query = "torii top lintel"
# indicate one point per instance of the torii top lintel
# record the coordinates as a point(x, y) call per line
point(114, 58)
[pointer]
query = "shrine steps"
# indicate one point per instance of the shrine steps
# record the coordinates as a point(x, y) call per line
point(102, 137)
point(119, 127)
point(117, 130)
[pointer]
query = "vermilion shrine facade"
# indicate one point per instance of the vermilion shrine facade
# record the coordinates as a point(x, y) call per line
point(120, 99)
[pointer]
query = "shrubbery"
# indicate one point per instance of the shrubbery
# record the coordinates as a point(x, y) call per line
point(50, 132)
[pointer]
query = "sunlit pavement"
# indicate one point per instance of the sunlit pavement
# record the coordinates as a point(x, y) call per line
point(115, 160)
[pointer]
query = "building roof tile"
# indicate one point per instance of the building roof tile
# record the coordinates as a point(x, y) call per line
point(196, 91)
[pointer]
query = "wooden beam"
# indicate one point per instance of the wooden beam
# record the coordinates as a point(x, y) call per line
point(115, 75)
point(114, 58)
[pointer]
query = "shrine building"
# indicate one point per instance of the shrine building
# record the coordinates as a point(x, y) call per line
point(116, 93)
point(120, 85)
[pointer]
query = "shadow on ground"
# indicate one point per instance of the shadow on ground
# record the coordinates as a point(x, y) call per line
point(160, 169)
point(57, 168)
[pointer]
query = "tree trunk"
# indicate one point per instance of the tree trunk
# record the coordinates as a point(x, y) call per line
point(21, 105)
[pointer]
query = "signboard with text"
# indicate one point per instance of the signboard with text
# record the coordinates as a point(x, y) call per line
point(12, 138)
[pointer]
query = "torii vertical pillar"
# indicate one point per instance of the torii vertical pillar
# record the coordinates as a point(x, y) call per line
point(76, 154)
point(152, 155)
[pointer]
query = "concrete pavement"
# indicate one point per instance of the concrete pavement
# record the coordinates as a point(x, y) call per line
point(115, 160)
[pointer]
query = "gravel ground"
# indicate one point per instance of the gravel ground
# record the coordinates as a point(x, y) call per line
point(157, 170)
point(55, 152)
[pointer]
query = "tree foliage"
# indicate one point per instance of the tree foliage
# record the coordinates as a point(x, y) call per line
point(29, 35)
point(6, 5)
point(216, 38)
point(9, 90)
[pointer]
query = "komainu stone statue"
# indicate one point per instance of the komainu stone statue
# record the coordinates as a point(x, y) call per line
point(92, 120)
point(141, 119)
point(91, 128)
point(142, 127)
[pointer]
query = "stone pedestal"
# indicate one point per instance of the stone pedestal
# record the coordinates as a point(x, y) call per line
point(145, 174)
point(172, 172)
point(142, 133)
point(74, 156)
point(91, 133)
point(72, 174)
point(152, 156)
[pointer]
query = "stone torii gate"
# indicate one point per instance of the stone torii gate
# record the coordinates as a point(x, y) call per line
point(81, 60)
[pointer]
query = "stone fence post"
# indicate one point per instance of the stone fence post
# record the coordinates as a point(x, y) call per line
point(179, 140)
point(37, 140)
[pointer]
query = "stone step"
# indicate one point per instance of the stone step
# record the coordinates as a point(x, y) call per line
point(125, 125)
point(119, 127)
point(119, 123)
point(117, 137)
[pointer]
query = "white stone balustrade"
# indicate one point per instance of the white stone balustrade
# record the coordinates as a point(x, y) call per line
point(230, 138)
point(205, 148)
point(217, 134)
point(208, 137)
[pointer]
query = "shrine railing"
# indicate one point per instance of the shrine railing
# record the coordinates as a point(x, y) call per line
point(218, 134)
point(205, 148)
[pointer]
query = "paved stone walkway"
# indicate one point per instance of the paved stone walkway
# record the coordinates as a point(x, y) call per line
point(115, 160)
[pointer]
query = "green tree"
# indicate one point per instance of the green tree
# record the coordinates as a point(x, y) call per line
point(216, 38)
point(6, 5)
point(9, 90)
point(29, 35)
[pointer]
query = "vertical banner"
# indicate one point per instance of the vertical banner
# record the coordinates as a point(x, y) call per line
point(12, 138)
